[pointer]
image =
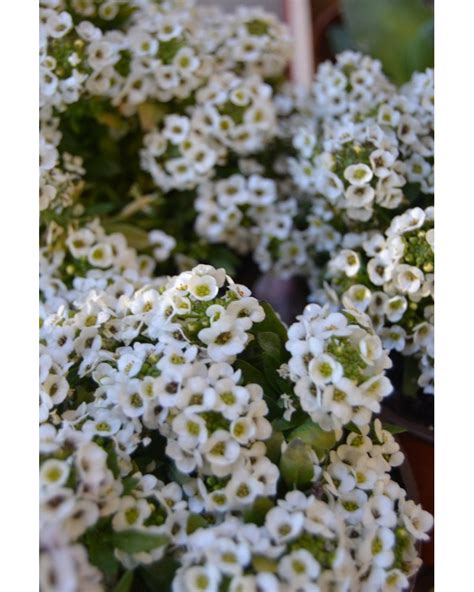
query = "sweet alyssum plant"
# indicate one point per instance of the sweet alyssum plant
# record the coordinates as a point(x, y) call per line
point(141, 102)
point(359, 176)
point(190, 443)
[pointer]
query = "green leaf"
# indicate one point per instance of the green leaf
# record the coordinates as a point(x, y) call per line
point(393, 429)
point(252, 375)
point(283, 425)
point(135, 541)
point(273, 446)
point(271, 344)
point(158, 575)
point(195, 521)
point(125, 583)
point(136, 237)
point(312, 434)
point(112, 460)
point(296, 466)
point(101, 553)
point(259, 509)
point(222, 257)
point(272, 324)
point(411, 373)
point(270, 371)
point(129, 484)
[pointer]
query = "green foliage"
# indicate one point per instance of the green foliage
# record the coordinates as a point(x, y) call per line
point(263, 357)
point(319, 440)
point(272, 324)
point(397, 32)
point(134, 541)
point(259, 509)
point(195, 521)
point(101, 550)
point(157, 576)
point(125, 583)
point(411, 373)
point(296, 465)
point(393, 429)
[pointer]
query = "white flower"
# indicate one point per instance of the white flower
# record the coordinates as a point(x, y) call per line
point(408, 278)
point(359, 196)
point(416, 520)
point(54, 473)
point(162, 243)
point(220, 449)
point(393, 337)
point(203, 287)
point(395, 307)
point(91, 463)
point(374, 390)
point(358, 174)
point(282, 525)
point(347, 261)
point(199, 579)
point(176, 128)
point(377, 547)
point(224, 339)
point(191, 430)
point(325, 369)
point(299, 567)
point(358, 296)
point(100, 255)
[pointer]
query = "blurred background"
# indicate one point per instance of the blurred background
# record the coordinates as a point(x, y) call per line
point(397, 32)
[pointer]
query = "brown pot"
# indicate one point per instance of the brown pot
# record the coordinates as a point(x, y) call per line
point(417, 475)
point(325, 14)
point(288, 297)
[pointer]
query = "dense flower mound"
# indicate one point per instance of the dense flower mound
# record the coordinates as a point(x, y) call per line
point(189, 440)
point(391, 277)
point(128, 64)
point(358, 169)
point(165, 459)
point(337, 363)
point(84, 257)
point(364, 159)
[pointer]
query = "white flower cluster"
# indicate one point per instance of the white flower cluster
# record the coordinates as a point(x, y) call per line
point(136, 56)
point(356, 531)
point(154, 56)
point(150, 366)
point(352, 85)
point(392, 279)
point(236, 209)
point(237, 112)
point(177, 156)
point(365, 156)
point(250, 41)
point(337, 363)
point(355, 171)
point(179, 381)
point(86, 257)
point(60, 174)
point(287, 249)
point(362, 168)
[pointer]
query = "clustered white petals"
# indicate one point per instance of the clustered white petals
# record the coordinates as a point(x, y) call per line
point(184, 429)
point(398, 292)
point(155, 366)
point(337, 363)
